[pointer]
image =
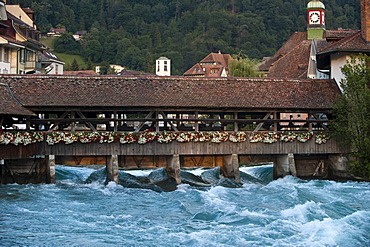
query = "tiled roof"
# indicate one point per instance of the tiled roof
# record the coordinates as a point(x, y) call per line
point(196, 70)
point(335, 35)
point(218, 58)
point(294, 64)
point(9, 105)
point(127, 72)
point(292, 42)
point(351, 43)
point(172, 92)
point(80, 72)
point(209, 65)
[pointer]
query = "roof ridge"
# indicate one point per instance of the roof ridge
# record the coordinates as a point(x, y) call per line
point(341, 42)
point(289, 52)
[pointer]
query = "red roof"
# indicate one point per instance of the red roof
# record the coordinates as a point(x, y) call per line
point(9, 104)
point(294, 64)
point(80, 72)
point(292, 59)
point(172, 92)
point(335, 35)
point(292, 42)
point(210, 66)
point(351, 43)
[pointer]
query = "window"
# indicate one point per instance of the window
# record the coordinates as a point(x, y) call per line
point(22, 56)
point(30, 56)
point(6, 55)
point(165, 65)
point(158, 66)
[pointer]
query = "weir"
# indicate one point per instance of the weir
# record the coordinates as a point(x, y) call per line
point(171, 122)
point(35, 162)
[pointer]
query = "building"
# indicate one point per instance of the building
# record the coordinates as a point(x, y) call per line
point(319, 53)
point(21, 51)
point(114, 68)
point(79, 35)
point(213, 65)
point(50, 64)
point(56, 32)
point(163, 66)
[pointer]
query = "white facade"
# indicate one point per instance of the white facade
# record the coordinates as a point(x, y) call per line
point(313, 72)
point(337, 61)
point(5, 57)
point(163, 66)
point(55, 68)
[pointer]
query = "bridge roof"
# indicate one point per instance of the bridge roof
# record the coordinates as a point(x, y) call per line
point(176, 92)
point(9, 105)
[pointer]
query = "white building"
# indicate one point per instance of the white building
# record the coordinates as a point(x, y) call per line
point(163, 66)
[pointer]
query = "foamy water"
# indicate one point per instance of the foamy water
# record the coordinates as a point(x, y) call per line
point(285, 212)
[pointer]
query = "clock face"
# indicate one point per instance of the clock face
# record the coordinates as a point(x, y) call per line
point(314, 17)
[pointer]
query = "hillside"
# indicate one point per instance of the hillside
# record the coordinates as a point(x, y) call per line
point(135, 33)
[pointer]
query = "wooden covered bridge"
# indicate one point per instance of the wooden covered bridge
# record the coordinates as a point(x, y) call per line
point(172, 122)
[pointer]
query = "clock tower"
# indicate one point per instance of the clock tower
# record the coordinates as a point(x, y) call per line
point(315, 19)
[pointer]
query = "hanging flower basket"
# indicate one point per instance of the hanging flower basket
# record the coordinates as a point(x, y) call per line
point(26, 138)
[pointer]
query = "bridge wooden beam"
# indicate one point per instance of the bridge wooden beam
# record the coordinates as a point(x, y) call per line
point(112, 169)
point(230, 167)
point(173, 167)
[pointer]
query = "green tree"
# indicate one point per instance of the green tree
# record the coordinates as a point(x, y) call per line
point(104, 68)
point(243, 67)
point(66, 44)
point(74, 65)
point(93, 50)
point(352, 114)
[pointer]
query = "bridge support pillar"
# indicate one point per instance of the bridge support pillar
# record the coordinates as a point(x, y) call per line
point(230, 167)
point(173, 167)
point(339, 166)
point(112, 169)
point(50, 169)
point(284, 165)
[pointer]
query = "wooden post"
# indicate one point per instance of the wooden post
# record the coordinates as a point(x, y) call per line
point(284, 165)
point(173, 167)
point(50, 163)
point(292, 168)
point(156, 123)
point(115, 123)
point(236, 127)
point(2, 171)
point(230, 167)
point(197, 122)
point(112, 169)
point(275, 124)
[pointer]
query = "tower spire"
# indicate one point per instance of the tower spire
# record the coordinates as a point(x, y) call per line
point(315, 19)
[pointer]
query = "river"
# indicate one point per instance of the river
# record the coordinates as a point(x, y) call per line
point(80, 210)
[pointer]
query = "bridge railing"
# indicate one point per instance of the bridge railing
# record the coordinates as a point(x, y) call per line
point(143, 137)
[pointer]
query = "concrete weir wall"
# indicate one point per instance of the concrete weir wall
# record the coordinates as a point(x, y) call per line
point(41, 169)
point(333, 166)
point(36, 163)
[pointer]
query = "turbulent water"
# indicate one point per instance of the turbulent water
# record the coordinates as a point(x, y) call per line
point(80, 210)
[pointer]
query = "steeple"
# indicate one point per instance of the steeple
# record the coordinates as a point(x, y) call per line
point(315, 19)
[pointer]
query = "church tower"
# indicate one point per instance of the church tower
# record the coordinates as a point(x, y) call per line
point(315, 20)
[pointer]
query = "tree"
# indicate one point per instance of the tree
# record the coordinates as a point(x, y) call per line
point(74, 65)
point(243, 67)
point(66, 44)
point(352, 114)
